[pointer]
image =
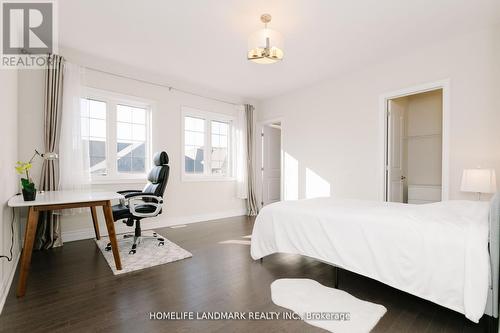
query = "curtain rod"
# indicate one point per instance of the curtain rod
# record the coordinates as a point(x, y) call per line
point(170, 88)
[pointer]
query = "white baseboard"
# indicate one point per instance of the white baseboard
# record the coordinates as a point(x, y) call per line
point(6, 287)
point(88, 233)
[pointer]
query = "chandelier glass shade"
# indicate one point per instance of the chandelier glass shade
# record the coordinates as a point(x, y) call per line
point(266, 45)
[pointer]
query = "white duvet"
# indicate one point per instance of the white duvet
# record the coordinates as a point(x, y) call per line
point(435, 251)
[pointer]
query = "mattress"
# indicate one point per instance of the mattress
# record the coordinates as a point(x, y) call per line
point(437, 251)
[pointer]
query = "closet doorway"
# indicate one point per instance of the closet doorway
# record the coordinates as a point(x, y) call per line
point(414, 148)
point(271, 163)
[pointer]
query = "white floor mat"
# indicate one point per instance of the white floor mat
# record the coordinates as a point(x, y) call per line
point(148, 253)
point(307, 298)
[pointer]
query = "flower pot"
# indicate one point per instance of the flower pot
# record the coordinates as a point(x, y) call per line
point(29, 195)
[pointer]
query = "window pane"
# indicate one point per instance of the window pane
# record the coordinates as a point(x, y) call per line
point(194, 124)
point(220, 143)
point(139, 116)
point(124, 131)
point(194, 138)
point(189, 138)
point(97, 128)
point(131, 157)
point(194, 143)
point(223, 141)
point(93, 131)
point(84, 107)
point(130, 114)
point(85, 130)
point(139, 132)
point(131, 135)
point(215, 140)
point(219, 161)
point(123, 114)
point(193, 159)
point(138, 164)
point(97, 109)
point(215, 127)
point(224, 128)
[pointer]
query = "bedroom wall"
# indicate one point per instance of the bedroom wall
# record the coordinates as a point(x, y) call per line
point(8, 177)
point(185, 201)
point(333, 128)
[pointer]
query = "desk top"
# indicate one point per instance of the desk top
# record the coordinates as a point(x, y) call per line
point(63, 197)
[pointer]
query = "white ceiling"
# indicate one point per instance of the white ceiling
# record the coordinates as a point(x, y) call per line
point(204, 41)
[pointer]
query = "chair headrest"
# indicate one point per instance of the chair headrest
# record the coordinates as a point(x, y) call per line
point(160, 158)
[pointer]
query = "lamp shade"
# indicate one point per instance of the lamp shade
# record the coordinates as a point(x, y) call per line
point(265, 40)
point(479, 181)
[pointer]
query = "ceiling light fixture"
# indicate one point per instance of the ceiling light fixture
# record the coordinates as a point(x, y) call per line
point(265, 46)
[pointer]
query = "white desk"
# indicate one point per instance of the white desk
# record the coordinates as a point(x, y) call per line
point(54, 200)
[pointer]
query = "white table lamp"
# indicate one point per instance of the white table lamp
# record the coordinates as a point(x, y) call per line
point(479, 181)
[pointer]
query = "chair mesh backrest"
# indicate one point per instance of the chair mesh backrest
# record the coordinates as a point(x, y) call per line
point(158, 176)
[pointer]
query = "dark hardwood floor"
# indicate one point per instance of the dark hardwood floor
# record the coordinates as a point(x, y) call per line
point(72, 289)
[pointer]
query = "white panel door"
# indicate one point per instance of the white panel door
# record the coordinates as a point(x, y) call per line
point(271, 166)
point(395, 188)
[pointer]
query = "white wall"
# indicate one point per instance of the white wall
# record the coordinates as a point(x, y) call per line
point(185, 201)
point(333, 128)
point(8, 178)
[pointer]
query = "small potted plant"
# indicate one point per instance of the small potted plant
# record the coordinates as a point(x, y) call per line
point(23, 168)
point(29, 190)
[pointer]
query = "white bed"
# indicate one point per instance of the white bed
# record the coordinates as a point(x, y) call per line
point(436, 251)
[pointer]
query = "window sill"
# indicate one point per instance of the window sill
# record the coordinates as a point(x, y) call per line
point(189, 179)
point(111, 181)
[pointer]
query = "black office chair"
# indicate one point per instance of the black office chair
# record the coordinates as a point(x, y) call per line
point(143, 204)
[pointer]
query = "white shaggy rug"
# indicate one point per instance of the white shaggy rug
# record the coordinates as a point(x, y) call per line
point(341, 311)
point(148, 253)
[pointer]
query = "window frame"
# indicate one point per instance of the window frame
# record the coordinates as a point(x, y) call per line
point(112, 100)
point(208, 117)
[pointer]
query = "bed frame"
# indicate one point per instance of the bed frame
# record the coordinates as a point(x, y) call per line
point(494, 249)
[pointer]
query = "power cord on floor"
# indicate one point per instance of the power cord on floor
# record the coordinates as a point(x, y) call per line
point(12, 236)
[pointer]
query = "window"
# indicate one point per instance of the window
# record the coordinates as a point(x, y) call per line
point(117, 131)
point(131, 139)
point(207, 142)
point(220, 147)
point(194, 145)
point(94, 133)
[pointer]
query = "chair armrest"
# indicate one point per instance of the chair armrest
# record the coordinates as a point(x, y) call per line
point(135, 194)
point(124, 192)
point(137, 199)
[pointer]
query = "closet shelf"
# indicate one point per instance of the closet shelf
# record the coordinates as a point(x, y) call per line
point(422, 136)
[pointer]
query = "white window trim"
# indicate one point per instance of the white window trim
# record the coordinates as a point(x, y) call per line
point(112, 99)
point(187, 111)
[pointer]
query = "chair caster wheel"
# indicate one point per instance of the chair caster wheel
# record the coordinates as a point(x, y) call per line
point(161, 239)
point(161, 243)
point(155, 234)
point(108, 247)
point(131, 252)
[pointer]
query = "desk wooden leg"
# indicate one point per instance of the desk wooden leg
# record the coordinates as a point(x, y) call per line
point(110, 224)
point(29, 239)
point(93, 212)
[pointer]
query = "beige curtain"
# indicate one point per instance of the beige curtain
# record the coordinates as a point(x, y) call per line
point(252, 206)
point(49, 225)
